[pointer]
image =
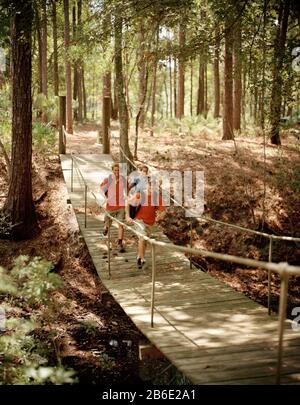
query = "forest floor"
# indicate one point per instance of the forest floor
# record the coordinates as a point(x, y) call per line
point(96, 337)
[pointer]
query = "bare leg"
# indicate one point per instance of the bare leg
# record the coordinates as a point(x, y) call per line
point(121, 232)
point(142, 248)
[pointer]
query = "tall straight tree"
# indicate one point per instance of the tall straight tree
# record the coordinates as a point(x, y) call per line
point(279, 51)
point(79, 65)
point(68, 70)
point(19, 204)
point(55, 53)
point(237, 78)
point(201, 84)
point(181, 71)
point(44, 43)
point(142, 74)
point(228, 83)
point(123, 110)
point(217, 73)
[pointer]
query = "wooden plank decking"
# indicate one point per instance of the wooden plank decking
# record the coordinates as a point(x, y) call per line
point(210, 332)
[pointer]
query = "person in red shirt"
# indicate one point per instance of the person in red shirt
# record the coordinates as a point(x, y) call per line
point(149, 201)
point(115, 189)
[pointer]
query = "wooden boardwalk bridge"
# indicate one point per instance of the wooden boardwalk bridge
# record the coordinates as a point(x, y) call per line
point(210, 332)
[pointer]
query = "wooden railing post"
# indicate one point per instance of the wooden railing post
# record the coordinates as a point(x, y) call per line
point(270, 275)
point(108, 248)
point(85, 203)
point(153, 281)
point(282, 317)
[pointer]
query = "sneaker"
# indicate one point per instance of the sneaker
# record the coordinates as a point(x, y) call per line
point(121, 246)
point(140, 263)
point(105, 231)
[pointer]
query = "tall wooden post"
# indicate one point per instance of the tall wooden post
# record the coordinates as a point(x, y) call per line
point(62, 122)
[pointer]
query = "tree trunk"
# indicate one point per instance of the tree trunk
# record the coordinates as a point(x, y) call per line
point(217, 74)
point(205, 91)
point(228, 83)
point(123, 110)
point(79, 67)
point(279, 51)
point(68, 70)
point(106, 113)
point(255, 93)
point(191, 93)
point(153, 106)
point(75, 64)
point(142, 75)
point(181, 71)
point(44, 56)
point(200, 98)
point(115, 109)
point(237, 83)
point(83, 93)
point(55, 54)
point(171, 90)
point(40, 47)
point(19, 204)
point(175, 87)
point(263, 85)
point(62, 123)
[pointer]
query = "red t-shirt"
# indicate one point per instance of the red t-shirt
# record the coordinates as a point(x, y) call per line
point(116, 192)
point(147, 210)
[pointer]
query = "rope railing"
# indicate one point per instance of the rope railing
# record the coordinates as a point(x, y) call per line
point(283, 269)
point(271, 237)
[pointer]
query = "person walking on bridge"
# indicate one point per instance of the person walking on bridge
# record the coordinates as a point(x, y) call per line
point(115, 189)
point(148, 201)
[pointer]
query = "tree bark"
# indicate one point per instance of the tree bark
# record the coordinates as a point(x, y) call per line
point(191, 91)
point(279, 50)
point(217, 74)
point(263, 79)
point(142, 75)
point(39, 38)
point(175, 87)
point(123, 110)
point(200, 98)
point(115, 108)
point(83, 93)
point(153, 105)
point(75, 64)
point(181, 73)
point(55, 53)
point(106, 113)
point(44, 57)
point(68, 70)
point(228, 82)
point(171, 90)
point(62, 123)
point(237, 83)
point(79, 67)
point(19, 204)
